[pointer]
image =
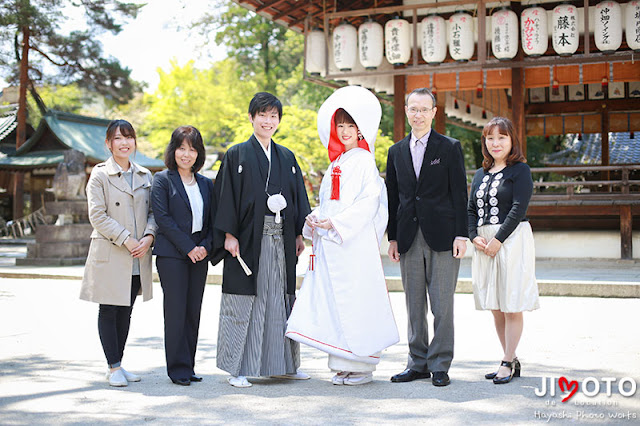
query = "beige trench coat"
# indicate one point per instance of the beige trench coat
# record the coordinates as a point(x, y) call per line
point(113, 204)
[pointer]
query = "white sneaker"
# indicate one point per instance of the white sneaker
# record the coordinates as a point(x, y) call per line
point(239, 382)
point(117, 378)
point(338, 379)
point(294, 376)
point(130, 376)
point(355, 379)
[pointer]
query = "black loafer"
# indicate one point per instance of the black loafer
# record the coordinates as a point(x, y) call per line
point(195, 378)
point(409, 375)
point(440, 378)
point(181, 382)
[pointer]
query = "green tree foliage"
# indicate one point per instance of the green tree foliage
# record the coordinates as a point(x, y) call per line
point(58, 56)
point(264, 50)
point(214, 100)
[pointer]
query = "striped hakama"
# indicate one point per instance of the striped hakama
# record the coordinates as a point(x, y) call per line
point(251, 339)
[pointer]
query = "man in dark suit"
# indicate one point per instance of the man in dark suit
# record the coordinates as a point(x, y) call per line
point(427, 229)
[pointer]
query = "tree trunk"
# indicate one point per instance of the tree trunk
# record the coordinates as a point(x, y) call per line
point(21, 130)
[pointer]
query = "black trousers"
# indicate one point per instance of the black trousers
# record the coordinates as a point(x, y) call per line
point(113, 326)
point(183, 287)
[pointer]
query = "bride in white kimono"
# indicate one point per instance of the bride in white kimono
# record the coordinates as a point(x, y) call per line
point(343, 307)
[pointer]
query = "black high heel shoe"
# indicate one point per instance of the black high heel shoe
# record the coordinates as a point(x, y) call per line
point(516, 373)
point(502, 380)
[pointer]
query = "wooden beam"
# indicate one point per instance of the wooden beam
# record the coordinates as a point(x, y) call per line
point(395, 9)
point(555, 108)
point(482, 42)
point(440, 125)
point(574, 210)
point(399, 129)
point(268, 4)
point(626, 240)
point(605, 135)
point(283, 14)
point(587, 40)
point(448, 67)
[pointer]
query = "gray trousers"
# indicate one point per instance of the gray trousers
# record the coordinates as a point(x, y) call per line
point(427, 272)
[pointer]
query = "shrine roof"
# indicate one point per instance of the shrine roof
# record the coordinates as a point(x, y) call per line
point(71, 131)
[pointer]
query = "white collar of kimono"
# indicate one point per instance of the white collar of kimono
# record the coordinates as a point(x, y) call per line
point(267, 150)
point(362, 105)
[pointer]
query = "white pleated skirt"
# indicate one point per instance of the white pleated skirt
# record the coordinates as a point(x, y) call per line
point(506, 282)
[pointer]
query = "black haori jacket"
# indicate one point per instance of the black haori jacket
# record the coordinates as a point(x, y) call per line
point(242, 205)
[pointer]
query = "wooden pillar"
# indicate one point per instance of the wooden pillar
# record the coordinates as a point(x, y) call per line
point(605, 135)
point(626, 247)
point(399, 129)
point(440, 124)
point(517, 106)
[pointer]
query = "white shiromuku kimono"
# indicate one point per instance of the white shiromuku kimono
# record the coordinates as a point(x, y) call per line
point(343, 307)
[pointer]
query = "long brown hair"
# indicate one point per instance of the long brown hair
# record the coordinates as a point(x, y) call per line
point(505, 127)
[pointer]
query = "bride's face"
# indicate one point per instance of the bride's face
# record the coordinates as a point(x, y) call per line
point(348, 135)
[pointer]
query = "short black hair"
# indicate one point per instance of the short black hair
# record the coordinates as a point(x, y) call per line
point(264, 101)
point(193, 137)
point(422, 91)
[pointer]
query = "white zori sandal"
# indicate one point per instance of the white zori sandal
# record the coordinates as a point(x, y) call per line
point(354, 379)
point(239, 382)
point(338, 379)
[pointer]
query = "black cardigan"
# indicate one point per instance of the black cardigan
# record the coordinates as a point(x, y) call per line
point(500, 198)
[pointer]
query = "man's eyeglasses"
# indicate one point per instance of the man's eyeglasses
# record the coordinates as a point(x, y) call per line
point(423, 111)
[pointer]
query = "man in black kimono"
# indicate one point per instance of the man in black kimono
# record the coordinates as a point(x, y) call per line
point(267, 236)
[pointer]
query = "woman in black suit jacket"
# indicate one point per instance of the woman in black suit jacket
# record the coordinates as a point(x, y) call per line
point(182, 204)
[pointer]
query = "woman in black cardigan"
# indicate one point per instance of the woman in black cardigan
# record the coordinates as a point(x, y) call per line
point(182, 204)
point(503, 267)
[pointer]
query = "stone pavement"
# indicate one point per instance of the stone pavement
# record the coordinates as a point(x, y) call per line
point(52, 369)
point(556, 277)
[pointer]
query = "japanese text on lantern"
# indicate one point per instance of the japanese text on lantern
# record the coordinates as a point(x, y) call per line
point(395, 44)
point(431, 49)
point(364, 47)
point(337, 47)
point(456, 38)
point(604, 18)
point(568, 24)
point(531, 31)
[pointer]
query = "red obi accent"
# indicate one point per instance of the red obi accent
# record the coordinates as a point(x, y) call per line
point(335, 183)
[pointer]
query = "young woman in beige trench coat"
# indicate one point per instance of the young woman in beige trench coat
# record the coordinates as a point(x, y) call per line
point(118, 267)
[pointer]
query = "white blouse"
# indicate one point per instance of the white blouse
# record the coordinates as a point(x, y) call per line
point(197, 206)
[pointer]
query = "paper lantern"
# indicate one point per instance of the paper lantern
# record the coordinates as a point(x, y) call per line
point(434, 39)
point(397, 45)
point(632, 27)
point(356, 81)
point(371, 44)
point(533, 31)
point(316, 56)
point(345, 46)
point(461, 46)
point(384, 83)
point(565, 29)
point(504, 30)
point(607, 31)
point(333, 69)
